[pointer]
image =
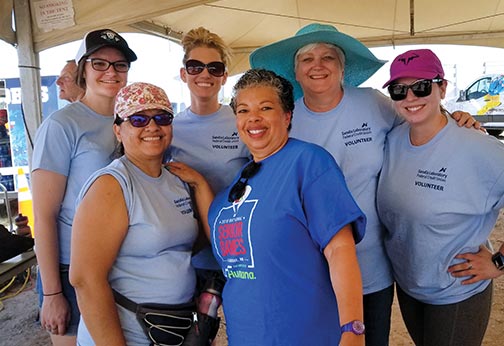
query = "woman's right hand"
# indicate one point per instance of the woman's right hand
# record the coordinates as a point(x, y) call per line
point(55, 314)
point(477, 266)
point(186, 174)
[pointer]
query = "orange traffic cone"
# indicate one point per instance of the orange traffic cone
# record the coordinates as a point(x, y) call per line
point(25, 205)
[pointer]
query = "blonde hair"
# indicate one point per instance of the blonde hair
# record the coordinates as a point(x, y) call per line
point(203, 37)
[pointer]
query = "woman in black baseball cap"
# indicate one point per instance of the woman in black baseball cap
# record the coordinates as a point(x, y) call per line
point(97, 39)
point(70, 145)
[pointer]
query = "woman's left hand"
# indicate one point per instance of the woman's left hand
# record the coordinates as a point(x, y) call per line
point(478, 266)
point(467, 120)
point(203, 193)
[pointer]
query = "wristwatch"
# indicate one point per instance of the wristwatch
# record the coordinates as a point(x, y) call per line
point(498, 260)
point(356, 327)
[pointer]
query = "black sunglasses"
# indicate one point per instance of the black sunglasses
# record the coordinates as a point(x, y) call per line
point(215, 68)
point(103, 65)
point(420, 88)
point(141, 120)
point(238, 188)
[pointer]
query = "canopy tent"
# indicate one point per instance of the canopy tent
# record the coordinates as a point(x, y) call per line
point(244, 25)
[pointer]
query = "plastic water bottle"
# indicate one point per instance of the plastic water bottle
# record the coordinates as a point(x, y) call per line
point(210, 298)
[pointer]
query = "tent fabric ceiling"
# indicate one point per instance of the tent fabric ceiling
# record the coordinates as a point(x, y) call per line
point(246, 25)
point(6, 32)
point(115, 14)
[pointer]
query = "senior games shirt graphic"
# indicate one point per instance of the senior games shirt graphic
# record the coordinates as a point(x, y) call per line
point(231, 234)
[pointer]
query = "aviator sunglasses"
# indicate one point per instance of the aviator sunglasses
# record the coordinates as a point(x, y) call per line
point(238, 188)
point(420, 88)
point(215, 68)
point(141, 120)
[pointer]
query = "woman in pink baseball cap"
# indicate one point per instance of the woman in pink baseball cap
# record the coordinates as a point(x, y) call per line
point(439, 195)
point(133, 232)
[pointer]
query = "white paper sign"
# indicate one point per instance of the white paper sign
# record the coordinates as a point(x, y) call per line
point(54, 14)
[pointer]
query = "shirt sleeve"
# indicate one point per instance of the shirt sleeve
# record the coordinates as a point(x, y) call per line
point(53, 148)
point(329, 206)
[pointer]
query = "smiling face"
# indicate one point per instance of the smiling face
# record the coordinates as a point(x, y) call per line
point(319, 70)
point(420, 110)
point(105, 83)
point(144, 143)
point(203, 86)
point(261, 121)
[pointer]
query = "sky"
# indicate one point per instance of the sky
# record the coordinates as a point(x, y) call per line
point(159, 62)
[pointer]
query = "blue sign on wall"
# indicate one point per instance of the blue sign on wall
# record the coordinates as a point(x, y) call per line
point(49, 95)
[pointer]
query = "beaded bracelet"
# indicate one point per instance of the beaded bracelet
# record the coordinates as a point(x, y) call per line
point(52, 294)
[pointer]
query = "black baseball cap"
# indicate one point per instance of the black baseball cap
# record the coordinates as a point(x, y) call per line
point(97, 39)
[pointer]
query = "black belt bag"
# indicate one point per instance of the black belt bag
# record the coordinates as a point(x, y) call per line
point(172, 325)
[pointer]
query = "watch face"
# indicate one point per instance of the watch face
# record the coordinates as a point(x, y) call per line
point(358, 327)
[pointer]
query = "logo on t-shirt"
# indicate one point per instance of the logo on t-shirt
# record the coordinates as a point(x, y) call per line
point(429, 179)
point(231, 238)
point(184, 205)
point(358, 135)
point(226, 142)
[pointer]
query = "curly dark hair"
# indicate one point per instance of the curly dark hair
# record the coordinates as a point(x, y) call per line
point(261, 77)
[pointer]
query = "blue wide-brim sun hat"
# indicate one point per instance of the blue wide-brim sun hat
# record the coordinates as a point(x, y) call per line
point(360, 62)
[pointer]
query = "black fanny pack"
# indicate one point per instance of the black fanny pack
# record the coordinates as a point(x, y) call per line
point(172, 325)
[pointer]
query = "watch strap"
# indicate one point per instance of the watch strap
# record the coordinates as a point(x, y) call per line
point(498, 260)
point(355, 326)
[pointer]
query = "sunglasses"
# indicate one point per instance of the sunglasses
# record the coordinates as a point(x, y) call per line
point(215, 68)
point(103, 65)
point(140, 120)
point(238, 188)
point(420, 88)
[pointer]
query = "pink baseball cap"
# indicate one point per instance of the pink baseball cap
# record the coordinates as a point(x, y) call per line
point(417, 63)
point(139, 97)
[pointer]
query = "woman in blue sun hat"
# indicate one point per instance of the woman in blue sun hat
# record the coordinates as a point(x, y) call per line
point(326, 66)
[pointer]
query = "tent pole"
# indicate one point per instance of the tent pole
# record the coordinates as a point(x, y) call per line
point(29, 71)
point(412, 17)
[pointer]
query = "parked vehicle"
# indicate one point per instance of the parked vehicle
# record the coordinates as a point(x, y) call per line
point(484, 99)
